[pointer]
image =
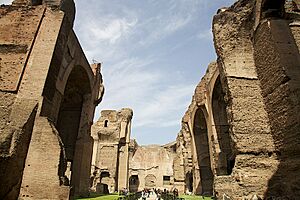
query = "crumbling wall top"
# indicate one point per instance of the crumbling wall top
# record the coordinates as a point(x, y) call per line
point(200, 90)
point(68, 6)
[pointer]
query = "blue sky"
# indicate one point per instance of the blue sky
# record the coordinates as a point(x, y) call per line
point(153, 54)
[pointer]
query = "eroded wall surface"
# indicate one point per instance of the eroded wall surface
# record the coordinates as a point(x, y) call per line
point(152, 167)
point(243, 119)
point(111, 134)
point(40, 62)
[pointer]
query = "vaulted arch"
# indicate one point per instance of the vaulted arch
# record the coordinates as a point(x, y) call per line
point(70, 119)
point(226, 157)
point(203, 154)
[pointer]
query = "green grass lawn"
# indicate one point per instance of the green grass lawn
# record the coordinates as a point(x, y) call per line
point(194, 197)
point(95, 196)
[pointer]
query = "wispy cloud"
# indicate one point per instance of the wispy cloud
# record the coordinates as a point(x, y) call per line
point(164, 109)
point(150, 52)
point(171, 20)
point(6, 2)
point(133, 83)
point(111, 30)
point(162, 26)
point(205, 35)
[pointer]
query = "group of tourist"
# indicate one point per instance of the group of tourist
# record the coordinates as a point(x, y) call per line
point(124, 191)
point(146, 193)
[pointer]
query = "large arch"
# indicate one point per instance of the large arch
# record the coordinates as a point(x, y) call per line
point(268, 9)
point(203, 153)
point(226, 157)
point(71, 118)
point(271, 8)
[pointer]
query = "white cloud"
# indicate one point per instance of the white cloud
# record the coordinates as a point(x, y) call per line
point(176, 23)
point(165, 24)
point(164, 109)
point(111, 30)
point(206, 35)
point(135, 41)
point(132, 83)
point(128, 82)
point(6, 2)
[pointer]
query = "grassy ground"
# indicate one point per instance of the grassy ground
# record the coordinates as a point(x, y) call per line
point(100, 197)
point(194, 197)
point(94, 196)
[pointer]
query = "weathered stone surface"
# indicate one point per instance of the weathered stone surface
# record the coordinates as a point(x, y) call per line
point(243, 119)
point(111, 134)
point(152, 167)
point(46, 115)
point(17, 38)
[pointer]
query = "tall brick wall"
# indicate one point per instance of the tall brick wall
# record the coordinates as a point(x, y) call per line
point(18, 29)
point(278, 60)
point(247, 117)
point(38, 53)
point(42, 164)
point(111, 134)
point(12, 161)
point(18, 34)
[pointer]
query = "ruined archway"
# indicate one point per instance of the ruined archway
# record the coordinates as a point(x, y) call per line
point(70, 118)
point(271, 8)
point(203, 155)
point(226, 157)
point(134, 183)
point(189, 182)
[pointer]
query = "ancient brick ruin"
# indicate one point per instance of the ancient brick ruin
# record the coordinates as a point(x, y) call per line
point(111, 134)
point(151, 166)
point(48, 93)
point(240, 137)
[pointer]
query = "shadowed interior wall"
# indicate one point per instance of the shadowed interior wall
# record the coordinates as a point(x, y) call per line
point(277, 59)
point(202, 148)
point(225, 161)
point(69, 117)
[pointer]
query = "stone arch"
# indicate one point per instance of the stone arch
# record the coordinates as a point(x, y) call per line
point(150, 181)
point(106, 123)
point(220, 123)
point(271, 8)
point(104, 175)
point(203, 154)
point(36, 2)
point(87, 73)
point(134, 183)
point(189, 182)
point(72, 121)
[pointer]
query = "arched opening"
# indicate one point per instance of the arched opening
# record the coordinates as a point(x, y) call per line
point(104, 175)
point(226, 157)
point(189, 182)
point(203, 156)
point(106, 123)
point(36, 2)
point(134, 183)
point(102, 186)
point(68, 123)
point(271, 8)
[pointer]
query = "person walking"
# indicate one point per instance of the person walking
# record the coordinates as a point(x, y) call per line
point(144, 194)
